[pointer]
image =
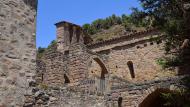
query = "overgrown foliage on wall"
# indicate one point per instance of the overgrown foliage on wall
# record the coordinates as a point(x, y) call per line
point(170, 16)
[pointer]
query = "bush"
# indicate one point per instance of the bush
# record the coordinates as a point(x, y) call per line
point(43, 86)
point(169, 62)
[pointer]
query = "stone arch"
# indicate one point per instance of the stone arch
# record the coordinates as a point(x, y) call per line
point(104, 70)
point(154, 99)
point(131, 68)
point(67, 80)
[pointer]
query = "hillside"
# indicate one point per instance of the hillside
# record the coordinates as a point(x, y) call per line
point(114, 31)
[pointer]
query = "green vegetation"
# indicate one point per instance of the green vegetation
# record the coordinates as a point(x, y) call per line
point(41, 50)
point(43, 86)
point(173, 18)
point(176, 99)
point(170, 16)
point(167, 62)
point(127, 21)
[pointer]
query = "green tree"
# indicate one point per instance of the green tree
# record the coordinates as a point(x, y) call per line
point(171, 16)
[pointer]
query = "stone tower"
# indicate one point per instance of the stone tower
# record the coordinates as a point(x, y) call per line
point(17, 50)
point(68, 34)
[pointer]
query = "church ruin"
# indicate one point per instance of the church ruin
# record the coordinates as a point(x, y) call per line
point(77, 72)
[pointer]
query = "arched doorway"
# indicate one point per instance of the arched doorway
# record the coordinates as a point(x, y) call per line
point(98, 71)
point(156, 99)
point(104, 70)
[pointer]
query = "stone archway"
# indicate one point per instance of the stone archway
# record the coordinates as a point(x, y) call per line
point(99, 72)
point(97, 67)
point(103, 67)
point(154, 99)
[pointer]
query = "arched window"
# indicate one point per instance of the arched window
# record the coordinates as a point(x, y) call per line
point(131, 69)
point(120, 101)
point(66, 79)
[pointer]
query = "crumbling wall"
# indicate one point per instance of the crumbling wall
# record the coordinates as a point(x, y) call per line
point(17, 50)
point(133, 94)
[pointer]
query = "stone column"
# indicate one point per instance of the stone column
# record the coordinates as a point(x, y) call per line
point(17, 50)
point(63, 36)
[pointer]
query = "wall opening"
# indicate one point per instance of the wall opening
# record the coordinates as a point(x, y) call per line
point(66, 79)
point(66, 53)
point(131, 69)
point(104, 70)
point(155, 99)
point(99, 70)
point(120, 99)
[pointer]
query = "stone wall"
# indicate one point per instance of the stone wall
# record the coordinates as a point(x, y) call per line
point(102, 73)
point(133, 94)
point(17, 50)
point(141, 49)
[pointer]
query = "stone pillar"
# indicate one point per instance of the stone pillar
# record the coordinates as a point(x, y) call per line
point(78, 63)
point(17, 50)
point(63, 35)
point(67, 35)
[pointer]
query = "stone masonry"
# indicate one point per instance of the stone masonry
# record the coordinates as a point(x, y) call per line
point(119, 72)
point(17, 50)
point(77, 72)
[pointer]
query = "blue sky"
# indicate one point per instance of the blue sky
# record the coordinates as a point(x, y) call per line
point(75, 11)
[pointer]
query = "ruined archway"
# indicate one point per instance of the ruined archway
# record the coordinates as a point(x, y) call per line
point(98, 63)
point(98, 71)
point(155, 99)
point(103, 67)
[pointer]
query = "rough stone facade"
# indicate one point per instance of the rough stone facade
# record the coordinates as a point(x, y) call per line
point(120, 72)
point(17, 50)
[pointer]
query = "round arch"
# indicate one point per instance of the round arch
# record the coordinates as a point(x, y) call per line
point(103, 67)
point(154, 99)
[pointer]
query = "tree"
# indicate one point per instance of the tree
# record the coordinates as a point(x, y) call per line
point(171, 16)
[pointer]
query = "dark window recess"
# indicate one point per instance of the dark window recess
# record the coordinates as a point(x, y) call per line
point(131, 69)
point(151, 43)
point(66, 79)
point(138, 47)
point(159, 41)
point(66, 52)
point(120, 101)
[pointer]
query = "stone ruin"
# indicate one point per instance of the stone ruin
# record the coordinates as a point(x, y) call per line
point(119, 72)
point(77, 72)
